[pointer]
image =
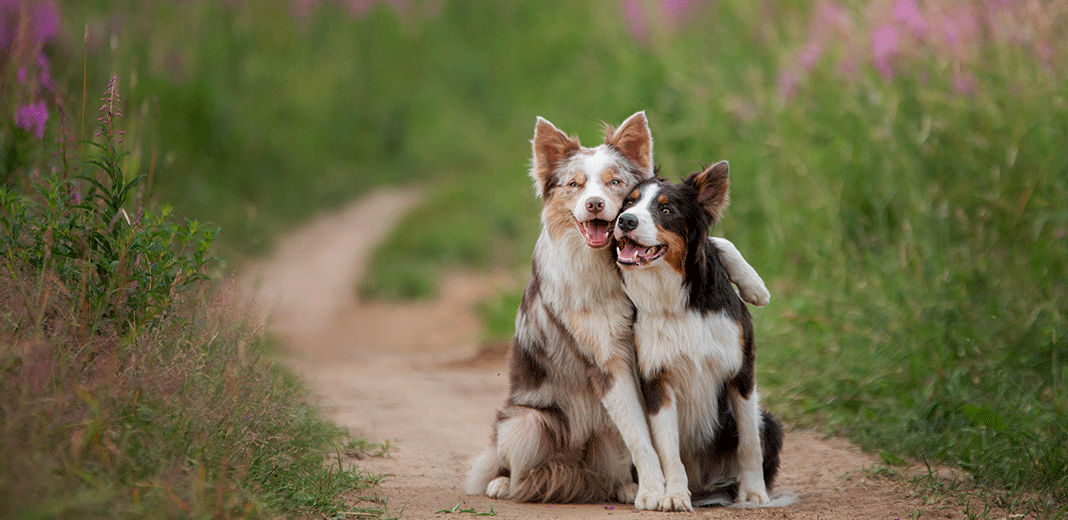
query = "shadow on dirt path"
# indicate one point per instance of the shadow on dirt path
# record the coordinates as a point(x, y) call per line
point(408, 373)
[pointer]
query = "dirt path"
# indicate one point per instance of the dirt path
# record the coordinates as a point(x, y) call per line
point(408, 373)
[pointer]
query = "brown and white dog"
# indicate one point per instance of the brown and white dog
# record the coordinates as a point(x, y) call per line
point(694, 343)
point(574, 421)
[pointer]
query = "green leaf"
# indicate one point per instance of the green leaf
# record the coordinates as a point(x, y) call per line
point(981, 415)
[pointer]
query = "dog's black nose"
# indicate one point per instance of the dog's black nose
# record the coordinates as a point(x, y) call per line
point(595, 205)
point(627, 222)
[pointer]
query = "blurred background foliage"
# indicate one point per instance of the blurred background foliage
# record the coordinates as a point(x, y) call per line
point(898, 170)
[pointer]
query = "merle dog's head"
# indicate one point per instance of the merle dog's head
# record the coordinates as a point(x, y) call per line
point(666, 222)
point(582, 189)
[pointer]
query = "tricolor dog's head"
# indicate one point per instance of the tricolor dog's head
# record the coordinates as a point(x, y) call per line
point(665, 222)
point(582, 189)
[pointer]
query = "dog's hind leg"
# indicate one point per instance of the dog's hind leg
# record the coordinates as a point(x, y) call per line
point(532, 445)
point(606, 455)
point(750, 285)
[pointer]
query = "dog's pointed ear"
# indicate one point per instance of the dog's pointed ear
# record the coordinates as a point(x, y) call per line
point(550, 147)
point(711, 185)
point(634, 141)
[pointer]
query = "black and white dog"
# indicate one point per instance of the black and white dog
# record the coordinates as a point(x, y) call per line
point(694, 342)
point(573, 422)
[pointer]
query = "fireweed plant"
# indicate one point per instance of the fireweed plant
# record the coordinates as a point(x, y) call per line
point(124, 392)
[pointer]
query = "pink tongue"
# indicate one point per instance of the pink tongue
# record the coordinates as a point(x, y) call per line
point(597, 231)
point(630, 252)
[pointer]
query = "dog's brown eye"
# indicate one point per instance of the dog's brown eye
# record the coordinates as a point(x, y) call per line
point(666, 211)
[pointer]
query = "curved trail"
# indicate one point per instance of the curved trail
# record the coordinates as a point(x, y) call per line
point(409, 373)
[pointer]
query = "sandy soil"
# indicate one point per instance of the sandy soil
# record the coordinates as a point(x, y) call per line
point(412, 373)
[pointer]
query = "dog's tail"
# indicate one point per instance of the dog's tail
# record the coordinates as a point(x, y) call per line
point(483, 468)
point(560, 481)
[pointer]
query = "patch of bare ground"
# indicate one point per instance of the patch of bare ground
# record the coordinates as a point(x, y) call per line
point(414, 374)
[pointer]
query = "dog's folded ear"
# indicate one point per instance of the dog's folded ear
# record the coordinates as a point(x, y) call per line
point(550, 147)
point(711, 185)
point(634, 141)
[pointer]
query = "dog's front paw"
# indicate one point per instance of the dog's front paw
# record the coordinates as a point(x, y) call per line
point(676, 501)
point(648, 498)
point(499, 487)
point(627, 493)
point(754, 292)
point(753, 494)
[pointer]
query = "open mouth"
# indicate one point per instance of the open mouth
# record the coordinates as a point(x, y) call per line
point(596, 232)
point(632, 253)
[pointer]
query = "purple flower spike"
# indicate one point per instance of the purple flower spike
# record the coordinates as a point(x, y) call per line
point(32, 118)
point(21, 75)
point(884, 46)
point(635, 19)
point(45, 22)
point(46, 72)
point(676, 10)
point(908, 13)
point(788, 82)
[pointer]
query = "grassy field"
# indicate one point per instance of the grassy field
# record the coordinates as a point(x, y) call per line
point(899, 179)
point(128, 387)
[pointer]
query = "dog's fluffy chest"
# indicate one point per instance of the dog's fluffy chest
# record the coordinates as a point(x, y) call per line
point(697, 351)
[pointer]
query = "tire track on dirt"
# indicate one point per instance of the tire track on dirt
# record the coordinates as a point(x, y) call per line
point(408, 372)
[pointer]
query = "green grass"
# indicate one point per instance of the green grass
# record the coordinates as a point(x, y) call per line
point(190, 419)
point(127, 389)
point(913, 236)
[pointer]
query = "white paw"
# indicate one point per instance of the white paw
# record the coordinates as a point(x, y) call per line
point(754, 291)
point(648, 498)
point(499, 487)
point(753, 495)
point(627, 493)
point(676, 501)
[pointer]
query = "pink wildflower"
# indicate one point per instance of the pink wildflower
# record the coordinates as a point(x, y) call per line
point(46, 72)
point(635, 20)
point(302, 8)
point(908, 13)
point(810, 54)
point(32, 118)
point(359, 8)
point(45, 25)
point(21, 75)
point(675, 10)
point(964, 82)
point(788, 82)
point(830, 15)
point(884, 47)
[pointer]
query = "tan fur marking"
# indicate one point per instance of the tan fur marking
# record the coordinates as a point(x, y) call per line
point(635, 195)
point(676, 250)
point(608, 174)
point(662, 199)
point(633, 141)
point(557, 210)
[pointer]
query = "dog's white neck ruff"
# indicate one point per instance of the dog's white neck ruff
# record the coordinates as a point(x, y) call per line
point(671, 336)
point(574, 275)
point(656, 289)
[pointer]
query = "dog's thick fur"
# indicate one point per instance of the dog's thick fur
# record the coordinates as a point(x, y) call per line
point(694, 342)
point(574, 422)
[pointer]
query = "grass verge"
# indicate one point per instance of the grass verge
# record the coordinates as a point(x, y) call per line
point(906, 207)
